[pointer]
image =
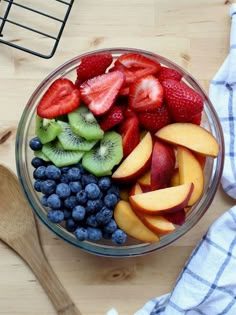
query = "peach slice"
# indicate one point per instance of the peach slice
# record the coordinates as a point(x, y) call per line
point(157, 223)
point(128, 221)
point(124, 194)
point(145, 179)
point(162, 165)
point(136, 163)
point(190, 136)
point(174, 180)
point(162, 201)
point(190, 170)
point(136, 189)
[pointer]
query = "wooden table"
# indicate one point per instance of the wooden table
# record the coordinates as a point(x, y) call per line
point(195, 34)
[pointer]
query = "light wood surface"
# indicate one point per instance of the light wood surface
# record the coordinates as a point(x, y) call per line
point(195, 34)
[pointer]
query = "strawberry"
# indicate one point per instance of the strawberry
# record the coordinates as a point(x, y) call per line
point(155, 120)
point(61, 98)
point(129, 130)
point(100, 92)
point(168, 73)
point(197, 119)
point(112, 118)
point(183, 102)
point(135, 66)
point(93, 65)
point(145, 94)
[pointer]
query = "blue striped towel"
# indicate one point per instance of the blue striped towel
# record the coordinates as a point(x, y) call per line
point(207, 283)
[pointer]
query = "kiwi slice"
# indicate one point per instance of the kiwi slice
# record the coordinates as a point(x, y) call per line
point(84, 124)
point(101, 159)
point(60, 157)
point(41, 155)
point(70, 141)
point(46, 129)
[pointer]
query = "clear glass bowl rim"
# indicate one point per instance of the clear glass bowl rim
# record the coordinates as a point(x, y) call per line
point(103, 250)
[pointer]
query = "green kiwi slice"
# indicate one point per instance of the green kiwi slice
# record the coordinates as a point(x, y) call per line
point(46, 129)
point(41, 155)
point(84, 124)
point(70, 141)
point(101, 159)
point(60, 157)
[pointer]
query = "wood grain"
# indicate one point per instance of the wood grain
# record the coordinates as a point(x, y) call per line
point(195, 34)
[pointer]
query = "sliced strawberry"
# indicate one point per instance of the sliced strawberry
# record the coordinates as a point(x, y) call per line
point(93, 65)
point(183, 102)
point(129, 130)
point(197, 119)
point(145, 94)
point(100, 92)
point(168, 73)
point(135, 66)
point(112, 118)
point(61, 98)
point(177, 217)
point(155, 120)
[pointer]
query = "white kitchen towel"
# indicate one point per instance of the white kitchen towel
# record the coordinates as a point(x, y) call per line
point(207, 283)
point(222, 93)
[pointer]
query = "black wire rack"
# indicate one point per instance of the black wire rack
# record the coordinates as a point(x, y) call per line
point(38, 24)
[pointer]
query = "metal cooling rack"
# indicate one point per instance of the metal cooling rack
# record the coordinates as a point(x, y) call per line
point(8, 19)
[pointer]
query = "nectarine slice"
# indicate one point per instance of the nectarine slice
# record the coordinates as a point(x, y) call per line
point(191, 136)
point(190, 170)
point(174, 180)
point(162, 201)
point(157, 223)
point(128, 221)
point(136, 163)
point(136, 189)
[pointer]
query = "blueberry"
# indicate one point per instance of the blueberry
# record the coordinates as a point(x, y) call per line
point(64, 178)
point(44, 201)
point(37, 185)
point(48, 186)
point(63, 190)
point(70, 202)
point(54, 201)
point(88, 179)
point(81, 197)
point(110, 200)
point(81, 234)
point(118, 237)
point(104, 183)
point(106, 236)
point(36, 162)
point(35, 144)
point(70, 225)
point(78, 213)
point(64, 169)
point(104, 216)
point(67, 214)
point(80, 167)
point(110, 227)
point(40, 172)
point(114, 189)
point(94, 205)
point(53, 172)
point(75, 186)
point(55, 216)
point(92, 190)
point(92, 221)
point(94, 234)
point(74, 174)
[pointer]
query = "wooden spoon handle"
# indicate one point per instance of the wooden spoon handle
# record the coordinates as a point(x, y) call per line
point(37, 261)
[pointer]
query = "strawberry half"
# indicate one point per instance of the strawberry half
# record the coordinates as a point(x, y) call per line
point(93, 65)
point(112, 118)
point(129, 130)
point(155, 120)
point(168, 73)
point(61, 98)
point(100, 92)
point(145, 94)
point(135, 66)
point(183, 102)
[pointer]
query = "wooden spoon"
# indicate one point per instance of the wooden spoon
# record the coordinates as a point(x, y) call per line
point(18, 229)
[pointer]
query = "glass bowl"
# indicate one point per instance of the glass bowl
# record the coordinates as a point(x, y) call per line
point(213, 167)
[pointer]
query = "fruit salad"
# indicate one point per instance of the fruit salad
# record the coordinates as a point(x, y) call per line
point(120, 151)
